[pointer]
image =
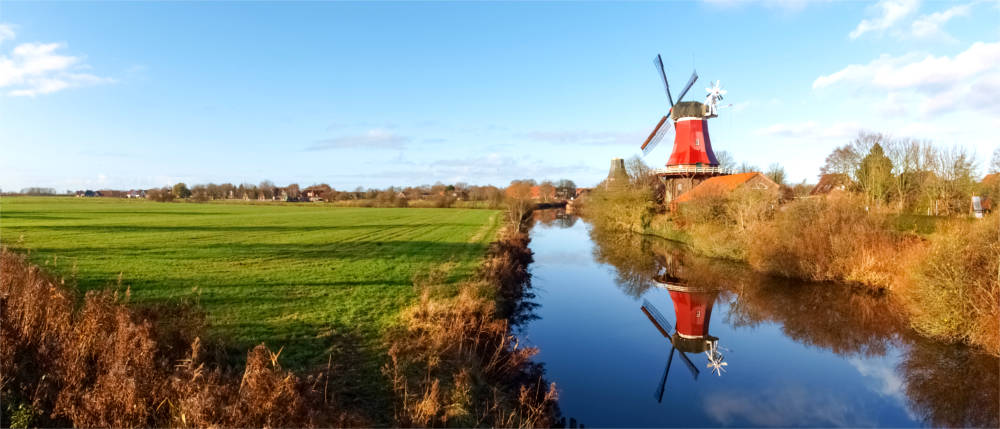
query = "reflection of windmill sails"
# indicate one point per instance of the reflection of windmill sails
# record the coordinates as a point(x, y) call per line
point(693, 310)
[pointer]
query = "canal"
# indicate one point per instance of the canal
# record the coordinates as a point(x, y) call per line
point(635, 331)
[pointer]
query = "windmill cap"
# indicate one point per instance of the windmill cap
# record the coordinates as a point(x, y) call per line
point(688, 109)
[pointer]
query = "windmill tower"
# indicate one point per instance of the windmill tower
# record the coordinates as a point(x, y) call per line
point(692, 159)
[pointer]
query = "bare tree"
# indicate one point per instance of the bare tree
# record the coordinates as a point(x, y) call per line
point(518, 198)
point(746, 167)
point(293, 191)
point(639, 173)
point(776, 173)
point(546, 191)
point(566, 189)
point(847, 158)
point(995, 163)
point(726, 161)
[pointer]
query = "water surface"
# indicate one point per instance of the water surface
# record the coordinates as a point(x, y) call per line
point(795, 354)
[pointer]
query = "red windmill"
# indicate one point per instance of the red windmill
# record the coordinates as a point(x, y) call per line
point(692, 157)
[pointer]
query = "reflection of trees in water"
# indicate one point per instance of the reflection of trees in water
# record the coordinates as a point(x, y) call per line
point(634, 263)
point(833, 317)
point(554, 217)
point(947, 385)
point(951, 385)
point(523, 311)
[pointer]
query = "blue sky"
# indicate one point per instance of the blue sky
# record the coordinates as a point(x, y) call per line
point(142, 94)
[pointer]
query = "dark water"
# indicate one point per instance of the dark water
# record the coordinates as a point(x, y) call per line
point(796, 354)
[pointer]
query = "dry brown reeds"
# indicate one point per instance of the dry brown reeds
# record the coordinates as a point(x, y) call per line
point(832, 239)
point(954, 290)
point(104, 365)
point(454, 361)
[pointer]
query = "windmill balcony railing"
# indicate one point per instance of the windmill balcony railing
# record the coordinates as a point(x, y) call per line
point(692, 169)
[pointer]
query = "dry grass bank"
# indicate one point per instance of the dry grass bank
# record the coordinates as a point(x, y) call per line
point(102, 364)
point(454, 361)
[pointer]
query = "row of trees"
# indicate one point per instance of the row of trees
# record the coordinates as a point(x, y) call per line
point(908, 175)
point(438, 194)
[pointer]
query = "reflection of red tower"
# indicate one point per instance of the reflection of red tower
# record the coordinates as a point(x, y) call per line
point(693, 309)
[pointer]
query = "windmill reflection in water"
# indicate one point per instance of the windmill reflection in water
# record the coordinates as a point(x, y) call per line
point(693, 311)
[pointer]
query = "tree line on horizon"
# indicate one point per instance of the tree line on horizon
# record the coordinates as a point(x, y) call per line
point(442, 195)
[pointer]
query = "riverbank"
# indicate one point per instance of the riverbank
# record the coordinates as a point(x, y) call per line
point(948, 280)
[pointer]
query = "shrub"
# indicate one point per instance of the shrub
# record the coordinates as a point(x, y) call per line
point(723, 223)
point(161, 195)
point(621, 208)
point(831, 239)
point(954, 292)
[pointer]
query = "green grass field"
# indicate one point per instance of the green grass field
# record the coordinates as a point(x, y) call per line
point(303, 277)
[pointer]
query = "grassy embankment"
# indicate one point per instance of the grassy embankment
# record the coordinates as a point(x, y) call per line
point(320, 282)
point(944, 272)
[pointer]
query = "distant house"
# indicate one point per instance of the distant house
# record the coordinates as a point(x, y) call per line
point(135, 193)
point(314, 193)
point(830, 183)
point(727, 184)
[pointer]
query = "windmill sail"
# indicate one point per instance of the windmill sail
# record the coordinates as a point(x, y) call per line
point(663, 380)
point(657, 318)
point(658, 62)
point(656, 136)
point(694, 77)
point(664, 327)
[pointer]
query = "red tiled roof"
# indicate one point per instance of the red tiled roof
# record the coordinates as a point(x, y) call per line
point(727, 183)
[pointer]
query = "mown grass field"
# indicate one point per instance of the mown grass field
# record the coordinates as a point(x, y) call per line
point(310, 278)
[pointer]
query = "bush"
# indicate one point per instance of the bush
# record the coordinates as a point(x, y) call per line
point(831, 239)
point(621, 208)
point(161, 195)
point(954, 292)
point(724, 223)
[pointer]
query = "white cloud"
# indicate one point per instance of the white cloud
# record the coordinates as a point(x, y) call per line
point(890, 13)
point(930, 25)
point(969, 80)
point(784, 406)
point(884, 380)
point(32, 69)
point(6, 32)
point(374, 139)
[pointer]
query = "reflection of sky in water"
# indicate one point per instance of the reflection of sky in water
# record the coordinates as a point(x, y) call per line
point(607, 358)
